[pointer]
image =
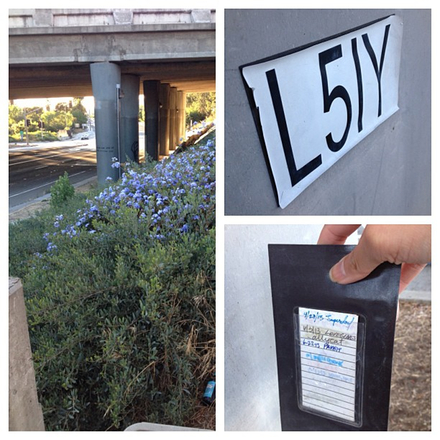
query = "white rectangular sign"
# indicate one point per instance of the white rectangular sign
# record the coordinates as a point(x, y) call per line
point(317, 102)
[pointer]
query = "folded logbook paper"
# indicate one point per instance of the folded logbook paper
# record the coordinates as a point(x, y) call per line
point(334, 342)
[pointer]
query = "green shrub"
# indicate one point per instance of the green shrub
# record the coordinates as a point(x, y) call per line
point(36, 136)
point(121, 299)
point(25, 239)
point(61, 191)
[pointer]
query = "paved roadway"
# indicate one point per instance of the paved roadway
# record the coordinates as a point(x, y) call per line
point(35, 168)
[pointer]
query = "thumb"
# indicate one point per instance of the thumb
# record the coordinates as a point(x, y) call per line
point(408, 273)
point(354, 266)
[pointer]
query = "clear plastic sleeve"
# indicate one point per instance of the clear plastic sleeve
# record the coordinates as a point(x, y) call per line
point(329, 352)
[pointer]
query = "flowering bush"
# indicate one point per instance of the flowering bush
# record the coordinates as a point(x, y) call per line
point(178, 195)
point(121, 299)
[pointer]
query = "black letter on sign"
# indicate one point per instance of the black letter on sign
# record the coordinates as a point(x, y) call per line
point(326, 57)
point(295, 174)
point(357, 65)
point(377, 69)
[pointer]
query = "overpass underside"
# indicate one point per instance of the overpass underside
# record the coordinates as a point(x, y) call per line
point(52, 81)
point(116, 64)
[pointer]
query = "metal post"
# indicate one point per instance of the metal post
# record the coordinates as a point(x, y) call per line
point(119, 96)
point(26, 127)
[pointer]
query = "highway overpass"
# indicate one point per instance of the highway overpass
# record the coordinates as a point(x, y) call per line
point(115, 55)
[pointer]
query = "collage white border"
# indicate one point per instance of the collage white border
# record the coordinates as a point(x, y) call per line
point(223, 220)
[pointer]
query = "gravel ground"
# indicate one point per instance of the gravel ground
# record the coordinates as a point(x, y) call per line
point(410, 407)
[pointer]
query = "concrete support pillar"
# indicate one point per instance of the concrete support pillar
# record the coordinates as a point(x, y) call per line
point(164, 99)
point(173, 98)
point(152, 118)
point(179, 117)
point(105, 78)
point(129, 118)
point(183, 116)
point(25, 412)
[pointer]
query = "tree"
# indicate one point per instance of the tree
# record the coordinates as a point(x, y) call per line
point(63, 107)
point(79, 117)
point(15, 114)
point(77, 105)
point(15, 118)
point(55, 120)
point(141, 113)
point(200, 106)
point(78, 111)
point(15, 121)
point(33, 114)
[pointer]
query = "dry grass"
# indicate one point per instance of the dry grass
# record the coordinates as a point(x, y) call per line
point(410, 408)
point(204, 417)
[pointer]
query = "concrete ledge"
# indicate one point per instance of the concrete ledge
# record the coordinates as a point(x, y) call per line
point(25, 413)
point(157, 427)
point(416, 295)
point(113, 29)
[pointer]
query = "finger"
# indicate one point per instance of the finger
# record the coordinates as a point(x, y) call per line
point(356, 265)
point(408, 273)
point(336, 234)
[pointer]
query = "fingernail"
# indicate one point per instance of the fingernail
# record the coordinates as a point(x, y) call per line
point(337, 272)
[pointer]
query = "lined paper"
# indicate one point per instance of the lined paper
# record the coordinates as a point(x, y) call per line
point(328, 342)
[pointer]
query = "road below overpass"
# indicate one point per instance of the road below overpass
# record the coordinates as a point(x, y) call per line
point(35, 168)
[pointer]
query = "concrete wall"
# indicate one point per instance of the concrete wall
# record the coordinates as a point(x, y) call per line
point(25, 412)
point(251, 380)
point(106, 17)
point(388, 173)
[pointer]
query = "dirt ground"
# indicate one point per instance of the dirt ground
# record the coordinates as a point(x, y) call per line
point(410, 406)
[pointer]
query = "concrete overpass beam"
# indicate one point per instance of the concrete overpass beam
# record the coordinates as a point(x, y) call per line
point(105, 77)
point(164, 99)
point(152, 118)
point(130, 118)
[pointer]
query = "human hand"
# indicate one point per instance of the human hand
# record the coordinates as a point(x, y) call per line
point(408, 245)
